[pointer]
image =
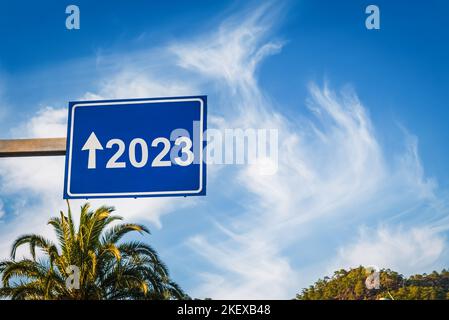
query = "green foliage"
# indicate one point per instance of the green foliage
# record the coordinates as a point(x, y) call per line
point(350, 285)
point(109, 269)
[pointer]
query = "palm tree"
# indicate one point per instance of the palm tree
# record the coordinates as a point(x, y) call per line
point(107, 268)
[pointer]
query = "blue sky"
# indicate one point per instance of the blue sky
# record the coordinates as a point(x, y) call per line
point(371, 188)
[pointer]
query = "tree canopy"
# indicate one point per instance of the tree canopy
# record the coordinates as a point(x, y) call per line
point(350, 285)
point(107, 267)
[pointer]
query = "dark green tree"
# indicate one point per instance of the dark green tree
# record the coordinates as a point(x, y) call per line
point(350, 285)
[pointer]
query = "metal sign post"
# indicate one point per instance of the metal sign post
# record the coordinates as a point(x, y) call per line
point(32, 147)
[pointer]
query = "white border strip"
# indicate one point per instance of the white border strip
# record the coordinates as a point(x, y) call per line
point(69, 172)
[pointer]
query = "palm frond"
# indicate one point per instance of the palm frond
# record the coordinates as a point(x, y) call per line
point(108, 268)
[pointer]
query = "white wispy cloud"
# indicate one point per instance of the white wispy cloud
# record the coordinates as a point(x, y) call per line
point(415, 250)
point(132, 84)
point(332, 170)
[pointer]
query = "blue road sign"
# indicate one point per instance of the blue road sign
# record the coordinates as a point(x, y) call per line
point(136, 148)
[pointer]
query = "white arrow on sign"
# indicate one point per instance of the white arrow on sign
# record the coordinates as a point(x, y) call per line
point(92, 144)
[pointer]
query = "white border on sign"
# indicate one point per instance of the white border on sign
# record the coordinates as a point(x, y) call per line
point(69, 172)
